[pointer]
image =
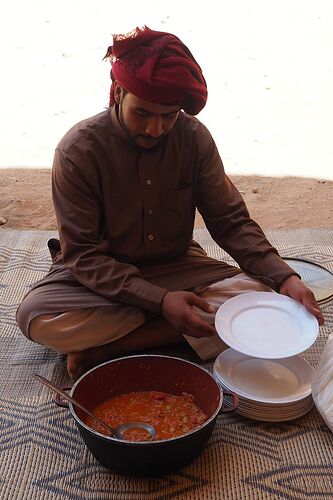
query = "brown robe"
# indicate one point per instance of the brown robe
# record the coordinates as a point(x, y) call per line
point(126, 216)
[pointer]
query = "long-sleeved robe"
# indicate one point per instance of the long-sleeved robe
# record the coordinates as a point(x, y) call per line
point(126, 216)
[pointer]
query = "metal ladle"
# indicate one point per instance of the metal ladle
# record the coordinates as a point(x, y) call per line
point(115, 432)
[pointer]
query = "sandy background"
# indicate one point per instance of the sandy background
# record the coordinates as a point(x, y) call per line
point(269, 70)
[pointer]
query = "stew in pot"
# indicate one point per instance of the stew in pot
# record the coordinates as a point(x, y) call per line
point(170, 415)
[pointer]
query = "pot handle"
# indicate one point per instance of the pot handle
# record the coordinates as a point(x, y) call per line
point(235, 401)
point(59, 401)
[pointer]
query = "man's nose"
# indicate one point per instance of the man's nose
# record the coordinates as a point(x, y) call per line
point(154, 126)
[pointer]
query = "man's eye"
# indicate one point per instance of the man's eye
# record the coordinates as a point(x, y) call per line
point(142, 113)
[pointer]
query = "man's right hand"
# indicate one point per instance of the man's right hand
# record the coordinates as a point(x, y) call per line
point(177, 308)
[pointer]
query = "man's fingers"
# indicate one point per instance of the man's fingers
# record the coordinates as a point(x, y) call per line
point(179, 309)
point(196, 327)
point(202, 304)
point(310, 303)
point(295, 288)
point(314, 309)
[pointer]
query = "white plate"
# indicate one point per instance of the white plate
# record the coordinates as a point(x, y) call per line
point(269, 381)
point(266, 325)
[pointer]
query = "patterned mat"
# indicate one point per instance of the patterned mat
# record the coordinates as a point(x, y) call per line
point(43, 457)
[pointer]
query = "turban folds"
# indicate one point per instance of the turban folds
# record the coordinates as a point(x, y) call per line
point(157, 67)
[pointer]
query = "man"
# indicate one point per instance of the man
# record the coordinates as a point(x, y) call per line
point(126, 274)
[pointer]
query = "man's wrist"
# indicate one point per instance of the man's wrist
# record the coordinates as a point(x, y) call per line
point(294, 275)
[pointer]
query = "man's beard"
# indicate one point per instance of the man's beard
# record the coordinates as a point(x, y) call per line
point(132, 138)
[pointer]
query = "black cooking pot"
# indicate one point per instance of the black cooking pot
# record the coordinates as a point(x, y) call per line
point(148, 373)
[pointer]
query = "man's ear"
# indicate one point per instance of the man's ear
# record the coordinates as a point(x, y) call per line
point(117, 91)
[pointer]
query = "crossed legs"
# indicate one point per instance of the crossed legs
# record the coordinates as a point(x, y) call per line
point(95, 335)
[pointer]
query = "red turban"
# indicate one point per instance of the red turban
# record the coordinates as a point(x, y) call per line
point(157, 67)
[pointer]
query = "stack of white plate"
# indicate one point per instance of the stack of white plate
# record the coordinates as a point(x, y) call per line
point(271, 390)
point(265, 332)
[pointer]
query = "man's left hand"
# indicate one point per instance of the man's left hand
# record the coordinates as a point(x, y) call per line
point(296, 289)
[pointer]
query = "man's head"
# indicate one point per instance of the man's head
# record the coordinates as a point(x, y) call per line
point(145, 122)
point(157, 68)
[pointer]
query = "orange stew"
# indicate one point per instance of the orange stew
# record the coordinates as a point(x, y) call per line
point(170, 415)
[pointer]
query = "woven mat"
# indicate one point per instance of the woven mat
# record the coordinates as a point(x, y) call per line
point(42, 455)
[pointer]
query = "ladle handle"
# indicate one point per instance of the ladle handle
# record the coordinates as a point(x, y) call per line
point(71, 400)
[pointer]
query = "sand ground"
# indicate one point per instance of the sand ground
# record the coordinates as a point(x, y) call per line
point(269, 71)
point(286, 202)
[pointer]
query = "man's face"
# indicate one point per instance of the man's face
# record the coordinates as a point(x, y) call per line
point(145, 122)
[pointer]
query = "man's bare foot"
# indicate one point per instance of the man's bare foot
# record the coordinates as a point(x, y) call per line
point(75, 366)
point(80, 362)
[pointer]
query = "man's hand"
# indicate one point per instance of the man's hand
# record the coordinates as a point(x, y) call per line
point(177, 309)
point(295, 288)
